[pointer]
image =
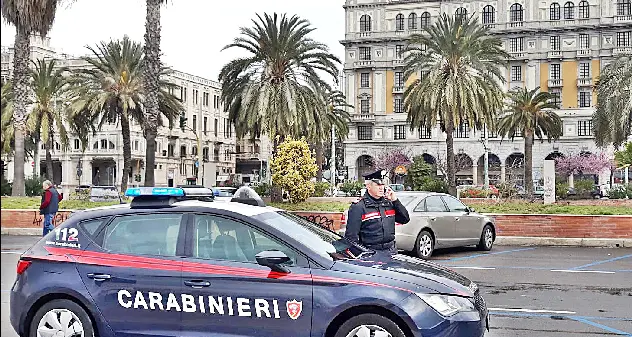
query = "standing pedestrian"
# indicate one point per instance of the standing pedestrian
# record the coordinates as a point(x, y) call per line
point(50, 205)
point(371, 219)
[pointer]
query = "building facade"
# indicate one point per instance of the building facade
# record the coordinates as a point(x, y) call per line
point(101, 163)
point(558, 45)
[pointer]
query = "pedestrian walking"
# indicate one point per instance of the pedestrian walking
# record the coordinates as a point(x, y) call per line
point(49, 205)
point(371, 219)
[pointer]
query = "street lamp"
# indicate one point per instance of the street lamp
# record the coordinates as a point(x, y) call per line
point(183, 127)
point(486, 157)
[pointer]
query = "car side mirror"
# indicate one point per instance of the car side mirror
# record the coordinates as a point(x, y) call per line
point(469, 210)
point(273, 259)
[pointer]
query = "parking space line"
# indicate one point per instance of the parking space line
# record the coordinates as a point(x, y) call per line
point(600, 326)
point(583, 271)
point(488, 254)
point(526, 314)
point(472, 267)
point(602, 262)
point(538, 311)
point(12, 252)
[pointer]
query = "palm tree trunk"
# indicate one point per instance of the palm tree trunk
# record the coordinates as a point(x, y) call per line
point(528, 163)
point(319, 160)
point(49, 161)
point(449, 142)
point(151, 82)
point(20, 88)
point(127, 152)
point(276, 195)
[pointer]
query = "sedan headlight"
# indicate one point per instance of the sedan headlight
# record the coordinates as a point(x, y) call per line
point(447, 305)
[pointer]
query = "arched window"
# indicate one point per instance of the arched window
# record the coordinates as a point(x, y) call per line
point(460, 14)
point(489, 14)
point(516, 13)
point(412, 21)
point(399, 22)
point(111, 145)
point(584, 9)
point(365, 23)
point(569, 11)
point(183, 151)
point(624, 7)
point(425, 20)
point(555, 11)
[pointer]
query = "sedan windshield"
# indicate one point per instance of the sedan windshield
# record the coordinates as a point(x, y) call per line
point(320, 240)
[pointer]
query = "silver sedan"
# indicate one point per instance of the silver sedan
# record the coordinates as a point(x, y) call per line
point(439, 220)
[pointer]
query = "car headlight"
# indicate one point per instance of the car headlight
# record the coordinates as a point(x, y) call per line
point(447, 305)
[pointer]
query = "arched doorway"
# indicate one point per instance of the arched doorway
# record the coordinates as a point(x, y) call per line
point(514, 169)
point(554, 155)
point(463, 165)
point(494, 164)
point(364, 165)
point(429, 159)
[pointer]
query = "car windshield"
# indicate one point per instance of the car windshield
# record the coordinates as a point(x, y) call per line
point(320, 240)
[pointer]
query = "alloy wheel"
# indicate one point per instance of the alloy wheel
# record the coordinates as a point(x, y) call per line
point(60, 323)
point(369, 331)
point(489, 237)
point(425, 245)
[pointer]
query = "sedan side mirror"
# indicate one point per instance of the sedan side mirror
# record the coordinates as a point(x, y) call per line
point(273, 259)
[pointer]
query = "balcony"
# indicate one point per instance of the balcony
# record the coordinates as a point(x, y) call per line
point(363, 63)
point(623, 18)
point(518, 55)
point(555, 83)
point(362, 117)
point(516, 24)
point(552, 54)
point(584, 82)
point(399, 89)
point(584, 53)
point(621, 50)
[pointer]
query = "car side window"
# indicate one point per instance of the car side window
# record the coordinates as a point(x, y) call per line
point(434, 204)
point(91, 227)
point(143, 234)
point(220, 238)
point(454, 205)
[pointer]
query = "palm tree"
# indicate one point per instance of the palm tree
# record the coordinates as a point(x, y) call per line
point(460, 62)
point(7, 126)
point(111, 90)
point(331, 113)
point(152, 70)
point(529, 114)
point(28, 16)
point(612, 119)
point(273, 88)
point(47, 116)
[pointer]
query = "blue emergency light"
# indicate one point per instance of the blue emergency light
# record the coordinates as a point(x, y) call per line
point(154, 191)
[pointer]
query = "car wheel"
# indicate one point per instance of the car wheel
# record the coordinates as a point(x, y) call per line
point(373, 325)
point(424, 245)
point(61, 318)
point(487, 238)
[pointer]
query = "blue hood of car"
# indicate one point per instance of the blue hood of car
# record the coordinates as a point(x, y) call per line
point(413, 271)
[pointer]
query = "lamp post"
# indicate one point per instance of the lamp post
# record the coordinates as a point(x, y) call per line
point(486, 158)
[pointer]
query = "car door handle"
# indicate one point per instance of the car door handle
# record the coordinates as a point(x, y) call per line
point(99, 277)
point(197, 284)
point(457, 218)
point(433, 219)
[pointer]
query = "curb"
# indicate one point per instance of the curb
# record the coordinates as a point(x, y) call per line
point(500, 241)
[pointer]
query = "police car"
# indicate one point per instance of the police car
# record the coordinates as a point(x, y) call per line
point(173, 263)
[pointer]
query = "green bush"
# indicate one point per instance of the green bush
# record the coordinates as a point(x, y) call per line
point(561, 190)
point(33, 186)
point(475, 192)
point(506, 190)
point(320, 189)
point(263, 189)
point(583, 188)
point(430, 184)
point(352, 188)
point(6, 187)
point(620, 192)
point(293, 167)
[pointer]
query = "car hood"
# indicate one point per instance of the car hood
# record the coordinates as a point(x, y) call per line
point(413, 271)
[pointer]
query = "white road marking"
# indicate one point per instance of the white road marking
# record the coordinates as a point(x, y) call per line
point(583, 271)
point(534, 311)
point(477, 268)
point(12, 252)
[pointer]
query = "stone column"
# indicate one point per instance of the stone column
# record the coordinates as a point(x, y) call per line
point(86, 168)
point(475, 175)
point(626, 175)
point(502, 173)
point(66, 175)
point(571, 180)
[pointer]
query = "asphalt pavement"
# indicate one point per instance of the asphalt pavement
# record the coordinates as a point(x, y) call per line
point(531, 291)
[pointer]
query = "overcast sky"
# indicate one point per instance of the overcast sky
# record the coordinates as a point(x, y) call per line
point(193, 31)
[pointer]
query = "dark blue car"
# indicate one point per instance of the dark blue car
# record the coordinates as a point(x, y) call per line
point(174, 263)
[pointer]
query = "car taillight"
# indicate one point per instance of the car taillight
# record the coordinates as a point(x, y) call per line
point(22, 266)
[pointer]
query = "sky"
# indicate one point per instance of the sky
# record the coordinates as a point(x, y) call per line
point(193, 31)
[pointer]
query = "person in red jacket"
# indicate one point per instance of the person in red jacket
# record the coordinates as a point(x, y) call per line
point(50, 205)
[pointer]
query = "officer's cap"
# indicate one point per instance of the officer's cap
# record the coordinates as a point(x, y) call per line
point(376, 177)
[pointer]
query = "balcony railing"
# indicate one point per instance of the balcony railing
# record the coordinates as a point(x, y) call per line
point(621, 50)
point(518, 54)
point(555, 83)
point(554, 54)
point(622, 18)
point(361, 117)
point(584, 82)
point(363, 63)
point(584, 53)
point(398, 89)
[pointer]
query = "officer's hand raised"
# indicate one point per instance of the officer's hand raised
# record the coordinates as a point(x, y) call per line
point(390, 194)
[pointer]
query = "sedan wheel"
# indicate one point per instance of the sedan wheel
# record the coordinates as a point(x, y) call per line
point(369, 331)
point(425, 245)
point(60, 322)
point(487, 238)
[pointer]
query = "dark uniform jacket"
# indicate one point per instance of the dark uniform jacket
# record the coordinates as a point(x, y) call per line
point(371, 222)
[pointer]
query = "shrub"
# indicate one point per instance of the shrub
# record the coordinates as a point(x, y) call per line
point(33, 186)
point(561, 190)
point(352, 188)
point(293, 167)
point(263, 189)
point(584, 187)
point(620, 192)
point(6, 187)
point(320, 189)
point(430, 184)
point(475, 192)
point(506, 190)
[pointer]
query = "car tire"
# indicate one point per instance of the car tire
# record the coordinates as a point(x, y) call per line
point(424, 246)
point(487, 238)
point(358, 326)
point(63, 312)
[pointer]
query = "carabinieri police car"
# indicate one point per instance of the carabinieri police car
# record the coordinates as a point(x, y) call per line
point(173, 263)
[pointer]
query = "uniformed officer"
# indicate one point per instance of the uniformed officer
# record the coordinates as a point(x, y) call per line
point(371, 219)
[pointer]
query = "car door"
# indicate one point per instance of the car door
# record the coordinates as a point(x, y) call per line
point(467, 225)
point(132, 270)
point(234, 295)
point(436, 214)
